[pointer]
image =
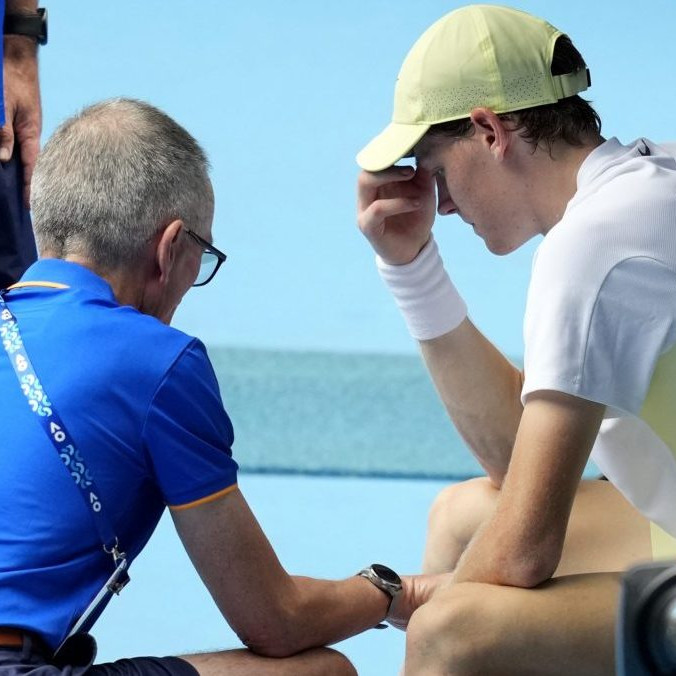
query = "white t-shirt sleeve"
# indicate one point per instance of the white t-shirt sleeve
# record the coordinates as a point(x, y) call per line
point(594, 328)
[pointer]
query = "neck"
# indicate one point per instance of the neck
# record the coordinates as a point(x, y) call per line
point(126, 283)
point(555, 180)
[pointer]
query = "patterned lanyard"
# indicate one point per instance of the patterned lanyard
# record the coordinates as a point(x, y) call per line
point(73, 460)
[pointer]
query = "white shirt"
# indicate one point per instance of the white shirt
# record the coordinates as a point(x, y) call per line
point(601, 316)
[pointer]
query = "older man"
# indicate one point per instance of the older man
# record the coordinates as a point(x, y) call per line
point(488, 103)
point(96, 380)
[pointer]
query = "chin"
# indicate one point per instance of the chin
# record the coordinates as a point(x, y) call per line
point(497, 247)
point(502, 247)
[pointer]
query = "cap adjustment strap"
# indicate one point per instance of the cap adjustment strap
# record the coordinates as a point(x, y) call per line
point(570, 84)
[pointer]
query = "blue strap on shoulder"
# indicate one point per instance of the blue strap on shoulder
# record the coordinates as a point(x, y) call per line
point(63, 442)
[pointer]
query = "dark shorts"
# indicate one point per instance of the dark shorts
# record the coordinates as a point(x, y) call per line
point(17, 244)
point(77, 659)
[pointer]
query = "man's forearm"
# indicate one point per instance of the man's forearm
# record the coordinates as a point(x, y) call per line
point(23, 115)
point(333, 611)
point(499, 555)
point(521, 544)
point(481, 390)
point(323, 612)
point(20, 46)
point(20, 6)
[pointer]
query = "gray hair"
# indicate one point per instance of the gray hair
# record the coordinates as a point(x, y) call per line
point(111, 177)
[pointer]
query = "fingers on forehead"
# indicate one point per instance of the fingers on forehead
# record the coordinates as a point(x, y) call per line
point(377, 178)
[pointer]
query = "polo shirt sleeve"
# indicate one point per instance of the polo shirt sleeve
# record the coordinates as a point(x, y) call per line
point(188, 434)
point(595, 329)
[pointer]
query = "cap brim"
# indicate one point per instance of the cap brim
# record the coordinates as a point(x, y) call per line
point(393, 143)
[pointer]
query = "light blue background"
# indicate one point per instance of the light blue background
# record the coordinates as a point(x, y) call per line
point(282, 95)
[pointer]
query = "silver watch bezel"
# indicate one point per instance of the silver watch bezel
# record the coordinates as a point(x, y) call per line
point(390, 588)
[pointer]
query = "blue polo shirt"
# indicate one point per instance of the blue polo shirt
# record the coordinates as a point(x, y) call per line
point(142, 402)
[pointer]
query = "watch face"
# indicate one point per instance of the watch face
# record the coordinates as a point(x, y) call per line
point(385, 573)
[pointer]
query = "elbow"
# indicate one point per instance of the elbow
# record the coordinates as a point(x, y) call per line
point(277, 636)
point(265, 649)
point(531, 576)
point(270, 643)
point(530, 571)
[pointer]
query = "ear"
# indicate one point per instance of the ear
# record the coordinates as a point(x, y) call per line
point(167, 247)
point(491, 131)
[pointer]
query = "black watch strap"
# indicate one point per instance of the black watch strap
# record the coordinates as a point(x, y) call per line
point(31, 25)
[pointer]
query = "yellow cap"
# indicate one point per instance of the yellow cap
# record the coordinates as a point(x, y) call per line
point(477, 56)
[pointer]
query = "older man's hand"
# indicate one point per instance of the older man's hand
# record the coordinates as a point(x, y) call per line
point(23, 114)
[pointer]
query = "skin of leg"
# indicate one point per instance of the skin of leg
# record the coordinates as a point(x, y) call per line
point(315, 662)
point(605, 532)
point(473, 629)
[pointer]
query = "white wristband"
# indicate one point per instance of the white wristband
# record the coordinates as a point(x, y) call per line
point(425, 294)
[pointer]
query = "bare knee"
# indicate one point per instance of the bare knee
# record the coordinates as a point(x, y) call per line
point(338, 664)
point(455, 515)
point(449, 635)
point(474, 498)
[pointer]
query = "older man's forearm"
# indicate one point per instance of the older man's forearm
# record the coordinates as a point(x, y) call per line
point(321, 612)
point(19, 6)
point(20, 46)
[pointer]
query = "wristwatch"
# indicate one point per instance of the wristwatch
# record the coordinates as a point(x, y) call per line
point(385, 579)
point(32, 25)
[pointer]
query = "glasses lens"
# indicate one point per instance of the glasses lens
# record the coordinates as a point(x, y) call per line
point(207, 267)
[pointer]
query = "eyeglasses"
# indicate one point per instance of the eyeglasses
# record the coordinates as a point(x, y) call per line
point(212, 259)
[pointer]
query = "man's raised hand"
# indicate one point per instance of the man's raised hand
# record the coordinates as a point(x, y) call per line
point(395, 211)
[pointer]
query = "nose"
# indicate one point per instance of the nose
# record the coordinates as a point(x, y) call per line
point(445, 204)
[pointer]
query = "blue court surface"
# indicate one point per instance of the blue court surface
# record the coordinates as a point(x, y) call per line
point(319, 526)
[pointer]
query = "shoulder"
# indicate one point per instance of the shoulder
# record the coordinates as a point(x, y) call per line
point(639, 177)
point(192, 364)
point(130, 337)
point(187, 431)
point(625, 207)
point(599, 335)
